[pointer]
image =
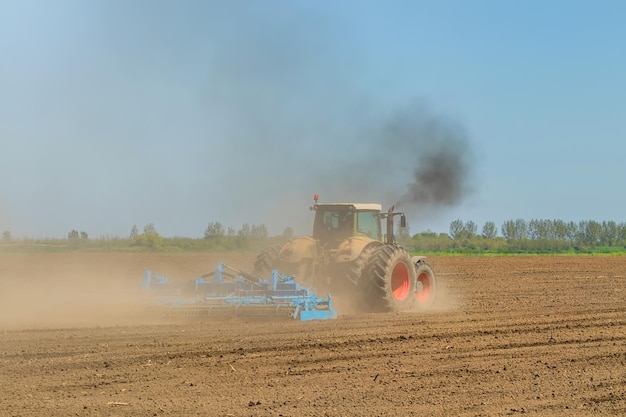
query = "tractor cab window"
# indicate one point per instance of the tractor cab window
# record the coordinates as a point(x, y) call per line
point(368, 224)
point(333, 224)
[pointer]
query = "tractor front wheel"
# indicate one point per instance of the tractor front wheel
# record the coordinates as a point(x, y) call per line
point(265, 261)
point(425, 285)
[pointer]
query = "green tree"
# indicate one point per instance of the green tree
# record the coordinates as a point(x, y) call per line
point(457, 229)
point(490, 231)
point(243, 236)
point(73, 235)
point(214, 230)
point(6, 236)
point(572, 232)
point(592, 232)
point(288, 232)
point(608, 233)
point(621, 234)
point(560, 230)
point(244, 232)
point(149, 228)
point(134, 232)
point(470, 229)
point(509, 230)
point(521, 229)
point(259, 232)
point(538, 229)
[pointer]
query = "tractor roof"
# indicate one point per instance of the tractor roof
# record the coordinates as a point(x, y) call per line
point(357, 206)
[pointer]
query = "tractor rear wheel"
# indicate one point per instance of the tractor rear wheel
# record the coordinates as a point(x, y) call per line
point(390, 279)
point(265, 261)
point(354, 270)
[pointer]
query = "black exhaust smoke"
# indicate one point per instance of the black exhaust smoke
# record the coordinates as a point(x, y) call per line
point(438, 151)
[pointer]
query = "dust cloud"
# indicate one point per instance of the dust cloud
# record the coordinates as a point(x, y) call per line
point(89, 289)
point(62, 290)
point(447, 299)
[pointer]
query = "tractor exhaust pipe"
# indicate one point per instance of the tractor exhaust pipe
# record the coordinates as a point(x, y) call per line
point(390, 236)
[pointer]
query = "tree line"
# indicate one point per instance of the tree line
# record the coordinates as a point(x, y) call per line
point(249, 237)
point(513, 236)
point(216, 237)
point(520, 235)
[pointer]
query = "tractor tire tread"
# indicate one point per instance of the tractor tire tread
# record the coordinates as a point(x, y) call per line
point(378, 292)
point(265, 261)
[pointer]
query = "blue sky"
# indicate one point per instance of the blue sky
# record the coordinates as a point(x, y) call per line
point(181, 113)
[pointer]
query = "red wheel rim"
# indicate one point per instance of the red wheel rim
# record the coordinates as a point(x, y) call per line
point(423, 281)
point(400, 281)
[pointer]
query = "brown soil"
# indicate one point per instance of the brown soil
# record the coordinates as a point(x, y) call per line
point(508, 336)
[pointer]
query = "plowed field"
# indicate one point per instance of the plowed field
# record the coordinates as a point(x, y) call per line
point(508, 336)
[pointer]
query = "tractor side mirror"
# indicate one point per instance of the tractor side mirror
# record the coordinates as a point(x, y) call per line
point(402, 221)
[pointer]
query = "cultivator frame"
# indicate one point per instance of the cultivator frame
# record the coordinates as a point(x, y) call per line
point(229, 291)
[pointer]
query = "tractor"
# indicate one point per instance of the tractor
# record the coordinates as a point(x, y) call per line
point(348, 252)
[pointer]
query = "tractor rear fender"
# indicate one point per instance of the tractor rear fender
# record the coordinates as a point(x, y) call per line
point(416, 259)
point(299, 249)
point(350, 249)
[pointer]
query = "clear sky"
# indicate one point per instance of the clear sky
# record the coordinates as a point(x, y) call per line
point(181, 113)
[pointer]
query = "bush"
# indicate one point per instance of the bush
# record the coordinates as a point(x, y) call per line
point(150, 240)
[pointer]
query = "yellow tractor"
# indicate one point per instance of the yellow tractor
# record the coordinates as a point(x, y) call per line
point(347, 252)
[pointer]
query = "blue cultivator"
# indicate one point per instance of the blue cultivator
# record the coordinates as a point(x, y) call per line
point(229, 291)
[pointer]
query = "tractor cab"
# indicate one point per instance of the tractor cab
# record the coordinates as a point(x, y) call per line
point(340, 221)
